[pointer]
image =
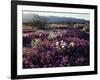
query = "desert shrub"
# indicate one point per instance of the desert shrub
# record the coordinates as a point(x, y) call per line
point(39, 21)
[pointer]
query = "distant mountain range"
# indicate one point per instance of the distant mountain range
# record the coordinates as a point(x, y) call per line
point(27, 18)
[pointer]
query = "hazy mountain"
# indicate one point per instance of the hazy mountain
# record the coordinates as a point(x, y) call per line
point(27, 18)
point(63, 19)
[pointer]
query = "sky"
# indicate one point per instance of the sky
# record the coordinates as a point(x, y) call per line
point(85, 16)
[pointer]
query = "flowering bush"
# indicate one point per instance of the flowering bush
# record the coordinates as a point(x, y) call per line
point(56, 49)
point(52, 35)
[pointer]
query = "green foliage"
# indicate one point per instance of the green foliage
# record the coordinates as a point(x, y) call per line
point(35, 42)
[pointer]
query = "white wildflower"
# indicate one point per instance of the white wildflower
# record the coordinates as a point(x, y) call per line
point(63, 44)
point(72, 44)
